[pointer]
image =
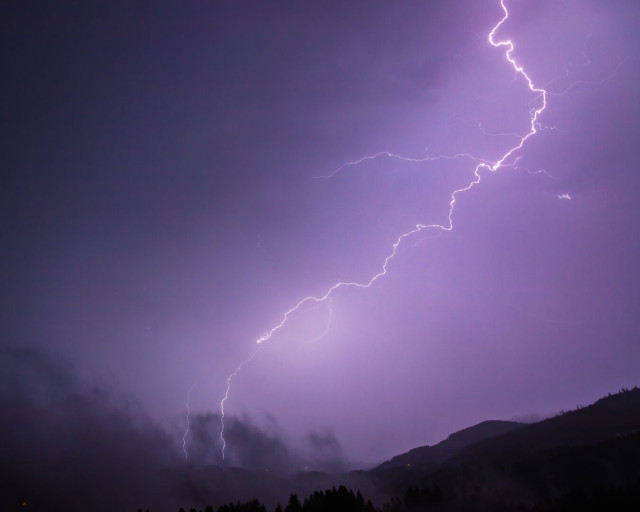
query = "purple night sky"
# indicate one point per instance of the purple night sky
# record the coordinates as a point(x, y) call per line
point(163, 206)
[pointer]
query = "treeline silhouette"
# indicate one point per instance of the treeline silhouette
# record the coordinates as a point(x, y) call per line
point(338, 500)
point(611, 499)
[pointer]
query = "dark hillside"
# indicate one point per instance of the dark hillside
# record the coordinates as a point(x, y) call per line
point(425, 457)
point(595, 447)
point(610, 416)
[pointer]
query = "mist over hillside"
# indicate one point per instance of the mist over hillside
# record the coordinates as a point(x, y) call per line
point(77, 447)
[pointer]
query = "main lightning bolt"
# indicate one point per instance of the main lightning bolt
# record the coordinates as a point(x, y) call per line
point(482, 166)
point(491, 167)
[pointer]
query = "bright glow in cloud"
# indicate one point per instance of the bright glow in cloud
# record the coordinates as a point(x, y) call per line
point(541, 98)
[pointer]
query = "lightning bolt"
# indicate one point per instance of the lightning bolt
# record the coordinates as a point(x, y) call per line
point(491, 167)
point(585, 45)
point(587, 62)
point(503, 134)
point(327, 328)
point(226, 396)
point(481, 166)
point(186, 432)
point(401, 158)
point(602, 81)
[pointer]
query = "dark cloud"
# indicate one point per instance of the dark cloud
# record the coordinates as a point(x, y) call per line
point(248, 445)
point(65, 447)
point(251, 447)
point(326, 451)
point(77, 446)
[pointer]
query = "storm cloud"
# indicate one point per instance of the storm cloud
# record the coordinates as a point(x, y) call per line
point(75, 445)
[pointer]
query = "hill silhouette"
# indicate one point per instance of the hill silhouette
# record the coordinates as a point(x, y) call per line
point(610, 416)
point(114, 458)
point(425, 457)
point(595, 447)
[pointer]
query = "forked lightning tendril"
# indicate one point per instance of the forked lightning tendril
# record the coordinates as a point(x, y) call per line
point(327, 327)
point(402, 158)
point(226, 397)
point(482, 165)
point(186, 432)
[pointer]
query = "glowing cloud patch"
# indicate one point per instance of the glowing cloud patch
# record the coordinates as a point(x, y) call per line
point(482, 165)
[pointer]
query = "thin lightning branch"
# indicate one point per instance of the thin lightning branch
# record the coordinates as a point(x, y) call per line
point(186, 432)
point(514, 165)
point(482, 166)
point(402, 158)
point(543, 171)
point(602, 81)
point(226, 396)
point(327, 328)
point(585, 45)
point(585, 55)
point(505, 134)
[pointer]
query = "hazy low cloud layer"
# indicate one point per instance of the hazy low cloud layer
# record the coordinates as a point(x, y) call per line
point(69, 448)
point(247, 445)
point(68, 445)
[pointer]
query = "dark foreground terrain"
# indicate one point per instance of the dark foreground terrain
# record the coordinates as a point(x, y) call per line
point(583, 460)
point(587, 459)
